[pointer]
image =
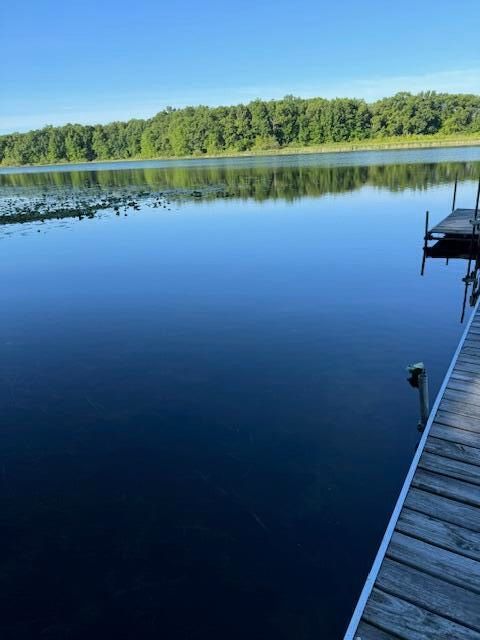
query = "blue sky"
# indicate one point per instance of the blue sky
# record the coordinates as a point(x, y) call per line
point(97, 61)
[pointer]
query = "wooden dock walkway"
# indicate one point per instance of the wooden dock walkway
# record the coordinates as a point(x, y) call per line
point(425, 580)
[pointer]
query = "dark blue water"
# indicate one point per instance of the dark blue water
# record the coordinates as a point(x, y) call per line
point(204, 415)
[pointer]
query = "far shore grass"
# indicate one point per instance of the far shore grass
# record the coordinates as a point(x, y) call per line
point(379, 144)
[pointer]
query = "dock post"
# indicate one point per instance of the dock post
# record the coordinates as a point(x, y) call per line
point(477, 200)
point(465, 294)
point(419, 380)
point(424, 400)
point(425, 242)
point(474, 228)
point(455, 192)
point(476, 216)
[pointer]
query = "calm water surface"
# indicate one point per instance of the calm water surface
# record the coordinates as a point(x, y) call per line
point(204, 415)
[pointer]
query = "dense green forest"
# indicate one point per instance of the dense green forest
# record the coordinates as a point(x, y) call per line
point(259, 125)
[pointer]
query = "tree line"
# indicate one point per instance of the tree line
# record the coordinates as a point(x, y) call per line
point(259, 125)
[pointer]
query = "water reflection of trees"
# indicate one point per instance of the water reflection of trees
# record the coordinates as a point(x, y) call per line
point(259, 183)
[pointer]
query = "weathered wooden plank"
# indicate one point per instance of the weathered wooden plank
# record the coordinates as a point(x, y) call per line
point(443, 534)
point(454, 227)
point(465, 369)
point(455, 220)
point(468, 357)
point(476, 320)
point(461, 216)
point(451, 511)
point(471, 337)
point(474, 337)
point(467, 366)
point(459, 421)
point(454, 224)
point(468, 361)
point(472, 341)
point(469, 438)
point(448, 487)
point(410, 622)
point(452, 468)
point(452, 567)
point(461, 408)
point(473, 350)
point(469, 376)
point(366, 631)
point(471, 345)
point(465, 375)
point(465, 397)
point(430, 593)
point(455, 450)
point(474, 326)
point(473, 356)
point(466, 386)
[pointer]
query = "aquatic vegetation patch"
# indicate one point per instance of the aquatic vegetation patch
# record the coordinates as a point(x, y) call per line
point(21, 207)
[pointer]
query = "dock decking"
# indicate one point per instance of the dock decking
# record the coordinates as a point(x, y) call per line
point(425, 580)
point(456, 224)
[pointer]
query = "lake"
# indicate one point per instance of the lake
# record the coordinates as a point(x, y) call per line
point(205, 414)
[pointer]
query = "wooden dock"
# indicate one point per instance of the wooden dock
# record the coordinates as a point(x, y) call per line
point(425, 580)
point(458, 224)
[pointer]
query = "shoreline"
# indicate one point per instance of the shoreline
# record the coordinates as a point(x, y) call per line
point(391, 144)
